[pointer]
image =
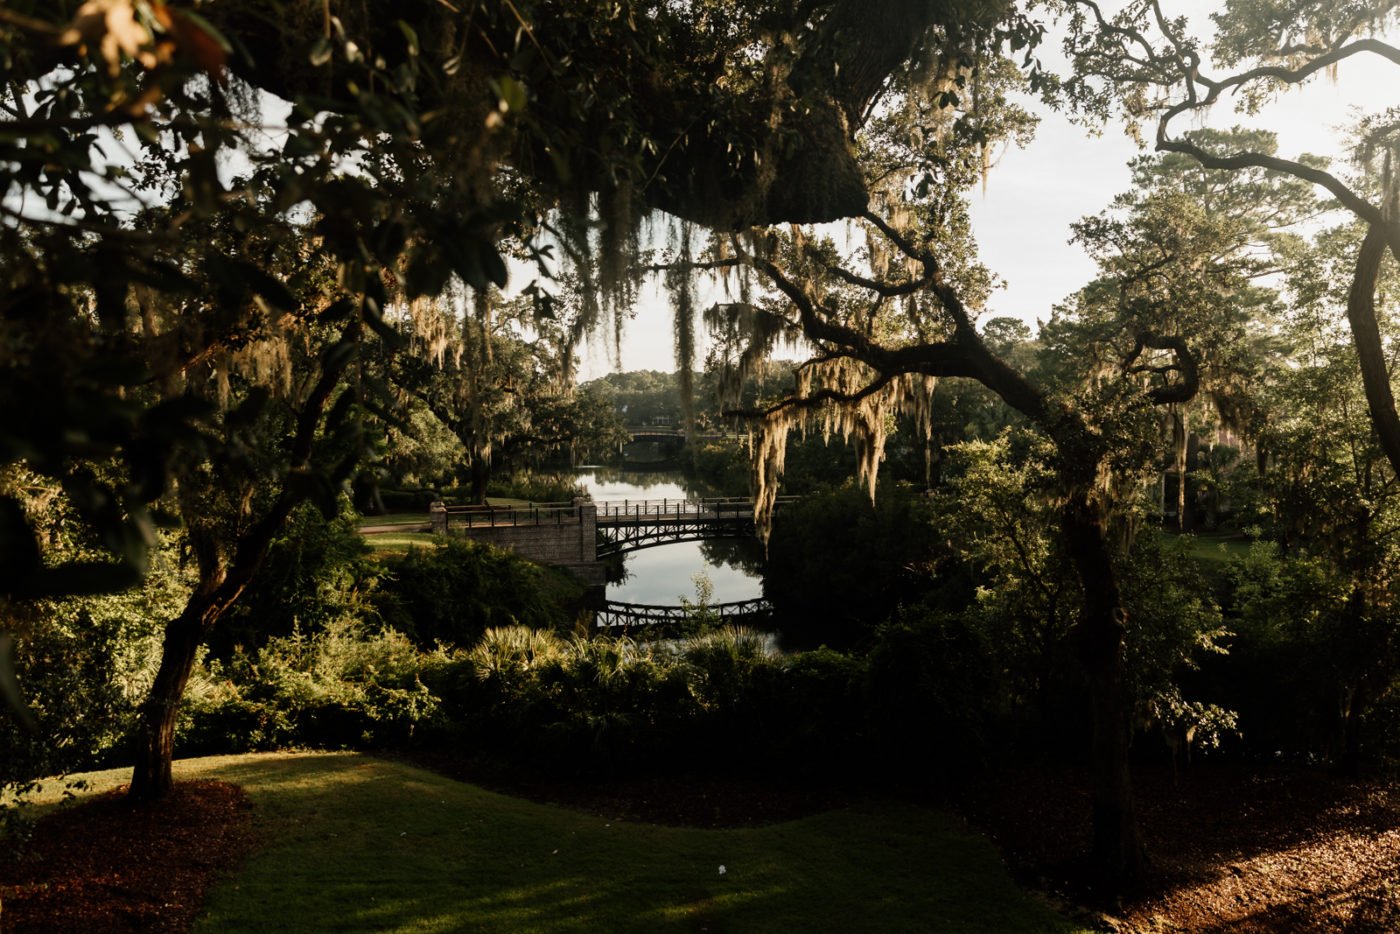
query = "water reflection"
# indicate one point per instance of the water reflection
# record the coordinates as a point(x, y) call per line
point(664, 574)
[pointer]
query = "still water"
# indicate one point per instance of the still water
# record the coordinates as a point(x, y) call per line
point(664, 574)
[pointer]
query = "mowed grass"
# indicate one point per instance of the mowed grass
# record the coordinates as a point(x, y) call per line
point(408, 519)
point(356, 843)
point(382, 543)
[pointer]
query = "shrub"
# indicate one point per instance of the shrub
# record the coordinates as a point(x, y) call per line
point(454, 593)
point(836, 594)
point(345, 686)
point(536, 487)
point(933, 690)
point(315, 571)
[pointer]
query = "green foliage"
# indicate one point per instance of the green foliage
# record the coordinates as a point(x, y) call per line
point(935, 692)
point(713, 701)
point(1173, 623)
point(84, 664)
point(537, 487)
point(346, 685)
point(838, 565)
point(318, 569)
point(455, 592)
point(1293, 663)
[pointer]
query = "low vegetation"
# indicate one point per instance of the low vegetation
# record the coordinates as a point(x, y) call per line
point(351, 843)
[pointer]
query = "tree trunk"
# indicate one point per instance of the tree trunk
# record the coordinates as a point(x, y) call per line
point(1119, 857)
point(1370, 348)
point(151, 777)
point(480, 475)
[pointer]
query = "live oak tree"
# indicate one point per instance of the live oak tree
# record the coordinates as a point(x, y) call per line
point(495, 376)
point(1145, 64)
point(404, 140)
point(888, 320)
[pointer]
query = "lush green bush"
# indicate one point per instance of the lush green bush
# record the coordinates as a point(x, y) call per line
point(536, 487)
point(346, 685)
point(713, 701)
point(455, 592)
point(934, 692)
point(1292, 657)
point(839, 566)
point(315, 571)
point(84, 664)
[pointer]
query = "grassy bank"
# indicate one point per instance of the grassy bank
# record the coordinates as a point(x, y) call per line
point(351, 842)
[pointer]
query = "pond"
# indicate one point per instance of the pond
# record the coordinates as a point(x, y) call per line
point(664, 574)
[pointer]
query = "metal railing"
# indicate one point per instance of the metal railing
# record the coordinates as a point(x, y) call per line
point(615, 615)
point(483, 517)
point(651, 510)
point(608, 512)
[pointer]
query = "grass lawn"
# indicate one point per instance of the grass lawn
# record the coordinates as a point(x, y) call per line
point(1213, 548)
point(409, 519)
point(356, 843)
point(399, 542)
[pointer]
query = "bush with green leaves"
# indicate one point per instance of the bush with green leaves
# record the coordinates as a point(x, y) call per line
point(84, 664)
point(453, 593)
point(1299, 650)
point(714, 700)
point(317, 570)
point(537, 487)
point(1173, 625)
point(346, 685)
point(838, 565)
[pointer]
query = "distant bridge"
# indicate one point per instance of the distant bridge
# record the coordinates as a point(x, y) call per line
point(615, 616)
point(670, 435)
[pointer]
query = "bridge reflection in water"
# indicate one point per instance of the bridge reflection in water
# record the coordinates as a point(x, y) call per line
point(615, 616)
point(582, 534)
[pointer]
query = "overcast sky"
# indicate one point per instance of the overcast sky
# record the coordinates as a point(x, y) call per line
point(1033, 195)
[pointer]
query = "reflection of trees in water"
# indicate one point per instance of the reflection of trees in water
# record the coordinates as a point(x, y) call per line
point(742, 554)
point(644, 479)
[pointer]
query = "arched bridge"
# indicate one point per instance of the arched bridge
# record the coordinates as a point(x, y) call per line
point(659, 435)
point(628, 525)
point(578, 534)
point(669, 435)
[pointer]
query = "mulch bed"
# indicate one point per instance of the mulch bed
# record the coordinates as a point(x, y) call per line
point(113, 865)
point(1233, 850)
point(1277, 849)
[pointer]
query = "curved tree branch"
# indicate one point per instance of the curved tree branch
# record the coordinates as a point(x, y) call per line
point(1366, 335)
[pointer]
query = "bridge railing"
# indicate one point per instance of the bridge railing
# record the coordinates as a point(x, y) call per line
point(609, 512)
point(648, 510)
point(481, 517)
point(616, 615)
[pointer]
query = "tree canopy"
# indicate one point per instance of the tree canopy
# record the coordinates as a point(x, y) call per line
point(225, 229)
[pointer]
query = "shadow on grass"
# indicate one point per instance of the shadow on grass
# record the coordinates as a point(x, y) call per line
point(357, 843)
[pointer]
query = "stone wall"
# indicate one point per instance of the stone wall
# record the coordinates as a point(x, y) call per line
point(568, 544)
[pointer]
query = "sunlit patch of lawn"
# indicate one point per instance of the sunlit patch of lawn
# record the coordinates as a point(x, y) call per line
point(411, 519)
point(351, 842)
point(400, 542)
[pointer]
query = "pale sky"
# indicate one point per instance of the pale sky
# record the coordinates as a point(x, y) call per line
point(1033, 195)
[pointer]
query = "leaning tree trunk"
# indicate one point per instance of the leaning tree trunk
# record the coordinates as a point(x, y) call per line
point(151, 777)
point(1119, 856)
point(1370, 348)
